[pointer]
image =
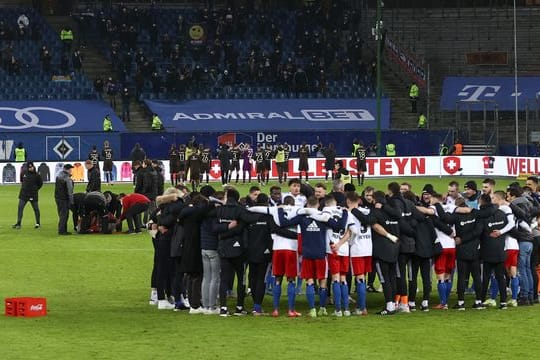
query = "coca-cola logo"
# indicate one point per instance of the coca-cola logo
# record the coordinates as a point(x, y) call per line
point(36, 307)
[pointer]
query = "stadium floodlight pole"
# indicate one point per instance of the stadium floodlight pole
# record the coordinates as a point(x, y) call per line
point(377, 31)
point(516, 82)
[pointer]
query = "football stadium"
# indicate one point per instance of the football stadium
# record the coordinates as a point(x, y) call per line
point(234, 179)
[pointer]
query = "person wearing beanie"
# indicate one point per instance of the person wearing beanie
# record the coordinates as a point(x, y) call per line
point(31, 183)
point(471, 194)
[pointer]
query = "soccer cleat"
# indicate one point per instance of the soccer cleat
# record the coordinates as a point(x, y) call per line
point(37, 226)
point(478, 306)
point(275, 313)
point(412, 308)
point(424, 308)
point(16, 226)
point(322, 312)
point(312, 313)
point(371, 289)
point(196, 311)
point(460, 307)
point(293, 313)
point(239, 311)
point(441, 307)
point(521, 302)
point(385, 312)
point(503, 306)
point(337, 313)
point(359, 312)
point(490, 303)
point(165, 305)
point(179, 306)
point(152, 302)
point(513, 303)
point(346, 313)
point(223, 312)
point(257, 313)
point(403, 308)
point(209, 311)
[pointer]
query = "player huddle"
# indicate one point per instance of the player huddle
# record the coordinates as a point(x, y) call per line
point(339, 241)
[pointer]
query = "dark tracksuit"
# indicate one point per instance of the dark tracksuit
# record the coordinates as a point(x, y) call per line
point(94, 180)
point(406, 240)
point(31, 183)
point(63, 195)
point(492, 250)
point(468, 228)
point(231, 248)
point(259, 252)
point(385, 252)
point(423, 252)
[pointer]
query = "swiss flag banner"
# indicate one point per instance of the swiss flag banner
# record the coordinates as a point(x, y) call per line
point(451, 164)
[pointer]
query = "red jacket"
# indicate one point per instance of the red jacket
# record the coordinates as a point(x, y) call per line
point(130, 200)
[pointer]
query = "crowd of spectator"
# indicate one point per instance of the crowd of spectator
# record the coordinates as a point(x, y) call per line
point(286, 51)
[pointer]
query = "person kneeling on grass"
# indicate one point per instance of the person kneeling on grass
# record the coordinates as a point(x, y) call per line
point(132, 206)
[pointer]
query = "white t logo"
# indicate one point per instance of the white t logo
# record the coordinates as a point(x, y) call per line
point(475, 91)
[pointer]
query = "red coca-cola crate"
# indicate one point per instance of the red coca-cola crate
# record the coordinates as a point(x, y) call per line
point(26, 306)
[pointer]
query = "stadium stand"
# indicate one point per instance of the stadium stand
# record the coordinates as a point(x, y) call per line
point(23, 76)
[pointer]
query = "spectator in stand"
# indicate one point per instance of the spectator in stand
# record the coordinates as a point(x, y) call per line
point(98, 87)
point(111, 89)
point(126, 98)
point(23, 23)
point(76, 61)
point(46, 62)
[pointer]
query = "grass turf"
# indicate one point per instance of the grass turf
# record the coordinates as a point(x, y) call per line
point(97, 288)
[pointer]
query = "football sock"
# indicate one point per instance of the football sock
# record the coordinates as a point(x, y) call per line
point(361, 292)
point(514, 285)
point(257, 307)
point(441, 288)
point(323, 297)
point(291, 294)
point(345, 295)
point(494, 287)
point(404, 299)
point(310, 295)
point(336, 290)
point(391, 306)
point(276, 293)
point(298, 285)
point(448, 284)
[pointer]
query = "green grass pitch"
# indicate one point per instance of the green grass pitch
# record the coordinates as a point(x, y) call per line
point(97, 287)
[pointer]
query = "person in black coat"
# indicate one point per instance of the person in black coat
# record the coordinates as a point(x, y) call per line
point(385, 245)
point(190, 218)
point(231, 248)
point(31, 183)
point(492, 248)
point(148, 185)
point(468, 230)
point(165, 216)
point(94, 178)
point(424, 239)
point(406, 240)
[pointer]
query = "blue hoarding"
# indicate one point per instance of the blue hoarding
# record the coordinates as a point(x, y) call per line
point(157, 145)
point(57, 146)
point(55, 116)
point(499, 90)
point(277, 115)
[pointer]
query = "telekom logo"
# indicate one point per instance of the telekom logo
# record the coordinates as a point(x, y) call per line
point(475, 92)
